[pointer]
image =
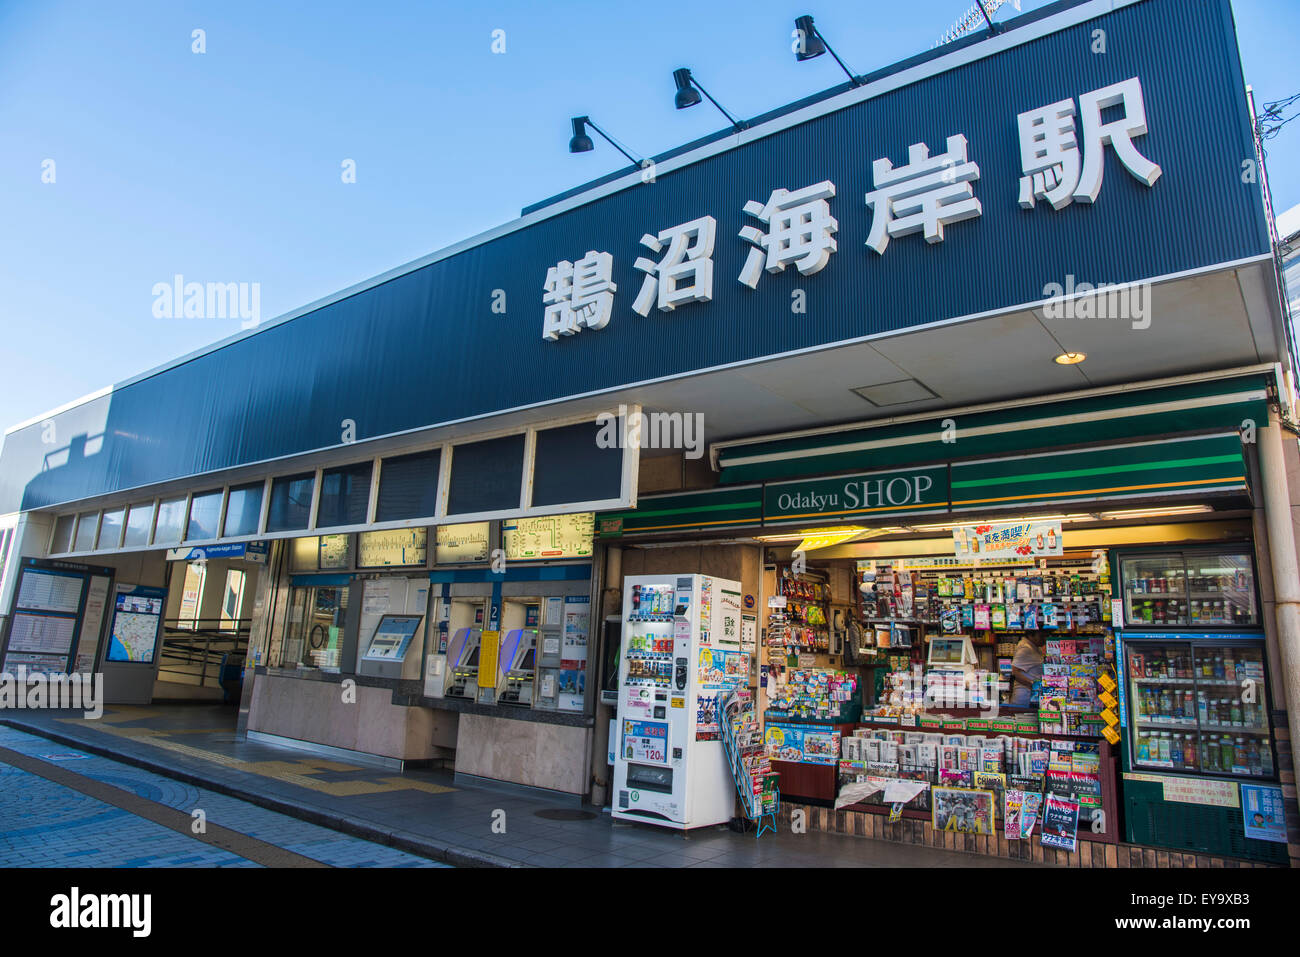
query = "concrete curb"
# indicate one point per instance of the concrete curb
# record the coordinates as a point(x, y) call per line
point(401, 840)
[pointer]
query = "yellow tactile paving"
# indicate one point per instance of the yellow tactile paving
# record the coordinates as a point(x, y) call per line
point(297, 772)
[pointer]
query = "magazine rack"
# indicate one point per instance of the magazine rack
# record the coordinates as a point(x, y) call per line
point(756, 782)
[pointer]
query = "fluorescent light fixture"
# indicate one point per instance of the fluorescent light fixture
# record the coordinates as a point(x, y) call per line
point(1158, 512)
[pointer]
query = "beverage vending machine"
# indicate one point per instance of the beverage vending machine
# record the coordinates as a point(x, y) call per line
point(680, 656)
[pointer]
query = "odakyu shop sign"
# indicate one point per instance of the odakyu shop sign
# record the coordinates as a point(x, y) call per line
point(907, 491)
point(1061, 162)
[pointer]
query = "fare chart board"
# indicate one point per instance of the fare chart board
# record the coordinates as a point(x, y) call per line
point(57, 614)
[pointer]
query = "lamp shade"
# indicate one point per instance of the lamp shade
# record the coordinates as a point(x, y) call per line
point(686, 93)
point(811, 45)
point(580, 142)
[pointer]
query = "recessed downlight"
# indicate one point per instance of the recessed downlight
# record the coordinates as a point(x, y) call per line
point(1070, 358)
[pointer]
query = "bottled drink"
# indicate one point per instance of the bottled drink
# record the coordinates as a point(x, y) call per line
point(1176, 750)
point(1165, 746)
point(1252, 758)
point(1227, 753)
point(1202, 708)
point(1189, 707)
point(1189, 753)
point(1235, 714)
point(1218, 668)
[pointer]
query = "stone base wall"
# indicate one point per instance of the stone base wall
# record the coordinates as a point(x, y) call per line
point(1090, 853)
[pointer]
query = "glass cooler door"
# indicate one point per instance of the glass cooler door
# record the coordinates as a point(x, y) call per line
point(1163, 730)
point(1231, 709)
point(1198, 706)
point(1155, 591)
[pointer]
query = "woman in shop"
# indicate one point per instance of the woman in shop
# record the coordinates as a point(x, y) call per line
point(1026, 668)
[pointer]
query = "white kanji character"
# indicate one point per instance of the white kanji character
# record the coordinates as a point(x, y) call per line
point(800, 232)
point(1049, 155)
point(578, 294)
point(685, 273)
point(922, 196)
point(1117, 133)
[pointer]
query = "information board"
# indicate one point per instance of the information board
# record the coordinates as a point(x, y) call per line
point(394, 546)
point(137, 620)
point(466, 542)
point(551, 536)
point(51, 615)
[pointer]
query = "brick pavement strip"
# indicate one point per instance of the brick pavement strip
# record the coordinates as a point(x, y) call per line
point(216, 836)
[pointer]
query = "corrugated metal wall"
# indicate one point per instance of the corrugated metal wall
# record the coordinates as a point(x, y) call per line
point(367, 358)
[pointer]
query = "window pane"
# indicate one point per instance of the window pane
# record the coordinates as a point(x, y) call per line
point(486, 476)
point(232, 602)
point(408, 486)
point(138, 520)
point(86, 525)
point(110, 529)
point(192, 595)
point(63, 533)
point(344, 495)
point(205, 513)
point(171, 517)
point(290, 502)
point(243, 510)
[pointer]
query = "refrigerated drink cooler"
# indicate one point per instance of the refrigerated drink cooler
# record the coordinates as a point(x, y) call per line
point(1194, 700)
point(680, 654)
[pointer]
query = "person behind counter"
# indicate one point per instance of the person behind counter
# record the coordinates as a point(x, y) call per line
point(1026, 668)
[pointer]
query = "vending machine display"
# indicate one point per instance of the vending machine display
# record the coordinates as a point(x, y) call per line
point(680, 636)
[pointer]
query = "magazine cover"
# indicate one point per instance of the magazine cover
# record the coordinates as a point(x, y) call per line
point(1060, 824)
point(1012, 803)
point(1029, 814)
point(962, 810)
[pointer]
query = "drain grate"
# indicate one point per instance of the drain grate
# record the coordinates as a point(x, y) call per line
point(565, 814)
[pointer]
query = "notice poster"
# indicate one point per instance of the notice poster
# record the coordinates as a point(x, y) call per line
point(640, 701)
point(1060, 824)
point(1262, 813)
point(573, 653)
point(805, 744)
point(645, 741)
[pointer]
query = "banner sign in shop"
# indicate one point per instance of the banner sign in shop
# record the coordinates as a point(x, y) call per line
point(807, 744)
point(1007, 540)
point(1192, 790)
point(911, 491)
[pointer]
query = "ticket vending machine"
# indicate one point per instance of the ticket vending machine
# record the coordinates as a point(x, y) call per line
point(517, 667)
point(462, 663)
point(680, 651)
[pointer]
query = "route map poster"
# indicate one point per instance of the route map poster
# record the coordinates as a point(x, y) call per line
point(137, 615)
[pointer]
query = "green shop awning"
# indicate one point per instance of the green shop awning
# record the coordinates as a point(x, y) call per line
point(1214, 405)
point(720, 508)
point(1211, 463)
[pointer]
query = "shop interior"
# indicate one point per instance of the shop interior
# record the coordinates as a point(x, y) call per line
point(927, 671)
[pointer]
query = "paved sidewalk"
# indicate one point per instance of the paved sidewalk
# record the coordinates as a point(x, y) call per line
point(61, 807)
point(425, 812)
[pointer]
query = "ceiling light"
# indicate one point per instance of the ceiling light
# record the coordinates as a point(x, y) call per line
point(1158, 512)
point(1070, 358)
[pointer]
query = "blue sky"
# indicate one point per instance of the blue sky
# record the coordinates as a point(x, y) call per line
point(226, 166)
